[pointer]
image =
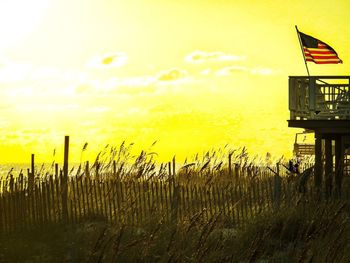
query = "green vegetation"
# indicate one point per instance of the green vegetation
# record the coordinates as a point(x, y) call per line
point(222, 207)
point(308, 232)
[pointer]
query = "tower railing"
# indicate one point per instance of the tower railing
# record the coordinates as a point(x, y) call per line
point(319, 97)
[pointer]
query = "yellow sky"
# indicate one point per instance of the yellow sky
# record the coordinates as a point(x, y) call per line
point(192, 75)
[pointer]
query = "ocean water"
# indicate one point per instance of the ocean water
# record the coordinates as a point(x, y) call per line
point(42, 168)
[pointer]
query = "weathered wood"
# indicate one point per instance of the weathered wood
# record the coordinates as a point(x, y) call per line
point(230, 165)
point(166, 200)
point(109, 191)
point(339, 166)
point(118, 200)
point(87, 169)
point(114, 169)
point(232, 206)
point(100, 200)
point(31, 174)
point(85, 183)
point(137, 186)
point(277, 188)
point(64, 185)
point(149, 201)
point(78, 198)
point(44, 202)
point(188, 201)
point(328, 167)
point(82, 189)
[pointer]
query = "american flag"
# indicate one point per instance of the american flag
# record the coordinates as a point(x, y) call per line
point(317, 51)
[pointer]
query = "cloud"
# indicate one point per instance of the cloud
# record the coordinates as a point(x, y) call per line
point(198, 57)
point(173, 74)
point(262, 71)
point(116, 59)
point(230, 70)
point(227, 71)
point(206, 71)
point(98, 109)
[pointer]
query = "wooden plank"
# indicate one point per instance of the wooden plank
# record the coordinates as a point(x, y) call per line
point(94, 192)
point(219, 202)
point(87, 170)
point(239, 210)
point(201, 189)
point(192, 200)
point(328, 167)
point(2, 212)
point(198, 203)
point(78, 198)
point(100, 199)
point(58, 196)
point(153, 197)
point(114, 169)
point(44, 202)
point(210, 202)
point(83, 204)
point(104, 198)
point(188, 201)
point(113, 187)
point(75, 201)
point(252, 198)
point(183, 202)
point(123, 204)
point(318, 161)
point(232, 205)
point(91, 194)
point(118, 201)
point(5, 213)
point(85, 180)
point(167, 201)
point(157, 201)
point(161, 196)
point(52, 199)
point(31, 174)
point(65, 180)
point(223, 199)
point(139, 203)
point(133, 203)
point(214, 199)
point(111, 204)
point(37, 205)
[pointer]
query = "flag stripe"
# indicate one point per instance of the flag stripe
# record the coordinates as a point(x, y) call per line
point(320, 56)
point(317, 51)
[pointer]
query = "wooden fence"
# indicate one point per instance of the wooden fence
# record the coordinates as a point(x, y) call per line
point(237, 194)
point(135, 202)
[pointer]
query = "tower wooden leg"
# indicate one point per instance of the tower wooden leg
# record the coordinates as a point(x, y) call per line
point(339, 161)
point(318, 161)
point(328, 166)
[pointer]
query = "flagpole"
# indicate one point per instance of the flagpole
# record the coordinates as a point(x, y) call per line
point(302, 51)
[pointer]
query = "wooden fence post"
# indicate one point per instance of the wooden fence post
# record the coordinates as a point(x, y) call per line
point(56, 172)
point(230, 165)
point(31, 175)
point(114, 169)
point(174, 172)
point(64, 184)
point(97, 171)
point(176, 193)
point(87, 169)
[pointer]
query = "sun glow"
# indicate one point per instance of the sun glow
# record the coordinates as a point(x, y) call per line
point(190, 74)
point(18, 18)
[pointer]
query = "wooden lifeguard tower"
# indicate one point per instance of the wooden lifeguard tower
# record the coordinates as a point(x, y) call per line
point(322, 104)
point(301, 150)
